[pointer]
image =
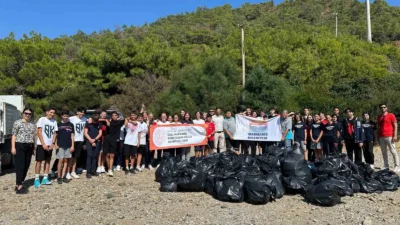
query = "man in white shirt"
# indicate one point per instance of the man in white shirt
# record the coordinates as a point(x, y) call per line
point(46, 127)
point(79, 122)
point(219, 136)
point(131, 143)
point(142, 144)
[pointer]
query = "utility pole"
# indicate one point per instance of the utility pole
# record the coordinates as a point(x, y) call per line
point(369, 35)
point(336, 14)
point(243, 61)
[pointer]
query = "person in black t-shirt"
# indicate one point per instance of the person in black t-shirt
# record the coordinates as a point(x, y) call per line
point(331, 134)
point(369, 130)
point(335, 120)
point(353, 136)
point(300, 134)
point(64, 145)
point(316, 135)
point(110, 144)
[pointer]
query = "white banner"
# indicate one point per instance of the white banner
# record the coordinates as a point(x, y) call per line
point(253, 129)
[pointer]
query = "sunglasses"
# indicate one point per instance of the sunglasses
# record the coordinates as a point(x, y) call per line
point(28, 114)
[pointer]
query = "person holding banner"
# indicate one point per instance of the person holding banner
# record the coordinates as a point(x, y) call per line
point(300, 134)
point(210, 135)
point(198, 150)
point(185, 152)
point(286, 129)
point(219, 136)
point(230, 130)
point(161, 122)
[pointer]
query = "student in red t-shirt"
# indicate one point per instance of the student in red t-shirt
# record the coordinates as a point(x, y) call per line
point(387, 133)
point(210, 135)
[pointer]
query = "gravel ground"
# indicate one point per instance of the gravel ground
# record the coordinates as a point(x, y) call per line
point(135, 199)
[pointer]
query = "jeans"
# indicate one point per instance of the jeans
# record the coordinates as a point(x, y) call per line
point(91, 159)
point(368, 150)
point(219, 141)
point(330, 145)
point(384, 142)
point(354, 148)
point(22, 158)
point(287, 144)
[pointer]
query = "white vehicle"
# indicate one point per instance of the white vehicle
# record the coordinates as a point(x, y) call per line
point(11, 107)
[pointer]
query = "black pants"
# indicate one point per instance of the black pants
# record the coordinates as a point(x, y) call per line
point(265, 145)
point(354, 148)
point(55, 166)
point(368, 149)
point(329, 145)
point(91, 159)
point(232, 144)
point(147, 156)
point(158, 160)
point(340, 147)
point(22, 158)
point(311, 154)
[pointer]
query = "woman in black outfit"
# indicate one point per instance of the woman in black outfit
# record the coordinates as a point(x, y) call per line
point(369, 130)
point(331, 135)
point(22, 147)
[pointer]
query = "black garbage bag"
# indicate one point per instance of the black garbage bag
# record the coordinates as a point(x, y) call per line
point(322, 194)
point(250, 166)
point(274, 181)
point(276, 151)
point(229, 189)
point(368, 185)
point(295, 171)
point(329, 165)
point(256, 190)
point(339, 184)
point(388, 179)
point(210, 184)
point(347, 167)
point(169, 185)
point(354, 184)
point(268, 163)
point(167, 169)
point(365, 170)
point(191, 179)
point(206, 164)
point(228, 164)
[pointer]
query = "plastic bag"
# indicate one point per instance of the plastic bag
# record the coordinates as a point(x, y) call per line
point(339, 184)
point(274, 181)
point(327, 166)
point(268, 163)
point(167, 169)
point(322, 194)
point(169, 185)
point(256, 190)
point(191, 179)
point(229, 189)
point(295, 171)
point(369, 185)
point(388, 179)
point(210, 184)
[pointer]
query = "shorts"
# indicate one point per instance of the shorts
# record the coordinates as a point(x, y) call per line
point(130, 150)
point(211, 144)
point(110, 146)
point(78, 147)
point(315, 145)
point(198, 148)
point(43, 155)
point(63, 153)
point(301, 144)
point(142, 149)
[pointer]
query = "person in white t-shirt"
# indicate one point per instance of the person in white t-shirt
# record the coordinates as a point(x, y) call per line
point(219, 136)
point(132, 141)
point(198, 150)
point(142, 144)
point(46, 127)
point(79, 122)
point(161, 122)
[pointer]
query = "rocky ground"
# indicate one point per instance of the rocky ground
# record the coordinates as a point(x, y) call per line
point(135, 199)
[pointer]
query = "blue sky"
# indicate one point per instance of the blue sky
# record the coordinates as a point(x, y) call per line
point(58, 17)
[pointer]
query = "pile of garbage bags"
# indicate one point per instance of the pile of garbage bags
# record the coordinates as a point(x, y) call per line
point(261, 179)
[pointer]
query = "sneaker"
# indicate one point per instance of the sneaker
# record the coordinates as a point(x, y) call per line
point(66, 180)
point(372, 167)
point(53, 174)
point(132, 171)
point(36, 183)
point(103, 169)
point(84, 171)
point(96, 174)
point(151, 168)
point(138, 169)
point(74, 175)
point(88, 176)
point(110, 173)
point(59, 181)
point(21, 191)
point(118, 168)
point(396, 169)
point(142, 168)
point(158, 166)
point(98, 170)
point(68, 176)
point(46, 181)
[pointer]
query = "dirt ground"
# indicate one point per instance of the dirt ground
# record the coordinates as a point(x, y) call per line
point(135, 199)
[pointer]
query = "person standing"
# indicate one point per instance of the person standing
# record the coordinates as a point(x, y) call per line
point(143, 143)
point(22, 147)
point(162, 122)
point(387, 133)
point(368, 147)
point(198, 149)
point(286, 128)
point(300, 134)
point(311, 153)
point(185, 152)
point(101, 158)
point(336, 112)
point(230, 130)
point(339, 124)
point(183, 112)
point(46, 127)
point(219, 136)
point(111, 140)
point(353, 136)
point(149, 156)
point(65, 141)
point(331, 135)
point(132, 142)
point(79, 122)
point(210, 135)
point(306, 113)
point(93, 133)
point(316, 135)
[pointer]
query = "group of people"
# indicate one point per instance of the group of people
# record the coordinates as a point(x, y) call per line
point(118, 143)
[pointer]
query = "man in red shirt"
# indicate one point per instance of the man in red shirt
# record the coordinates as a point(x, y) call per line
point(210, 135)
point(387, 133)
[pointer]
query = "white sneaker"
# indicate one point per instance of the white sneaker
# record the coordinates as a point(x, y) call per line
point(74, 175)
point(110, 173)
point(53, 174)
point(98, 170)
point(118, 168)
point(396, 169)
point(68, 176)
point(143, 166)
point(158, 166)
point(139, 169)
point(372, 167)
point(215, 151)
point(103, 169)
point(151, 168)
point(84, 171)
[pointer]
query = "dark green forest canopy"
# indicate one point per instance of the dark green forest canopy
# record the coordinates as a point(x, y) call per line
point(193, 61)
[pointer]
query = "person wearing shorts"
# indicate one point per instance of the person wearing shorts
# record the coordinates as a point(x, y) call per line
point(316, 135)
point(300, 134)
point(111, 140)
point(131, 142)
point(142, 144)
point(210, 135)
point(79, 122)
point(64, 146)
point(46, 127)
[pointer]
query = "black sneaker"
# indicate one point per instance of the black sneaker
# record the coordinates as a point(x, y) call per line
point(95, 174)
point(132, 171)
point(59, 181)
point(65, 180)
point(88, 176)
point(21, 191)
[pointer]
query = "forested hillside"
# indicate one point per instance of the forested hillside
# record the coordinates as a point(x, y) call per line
point(193, 60)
